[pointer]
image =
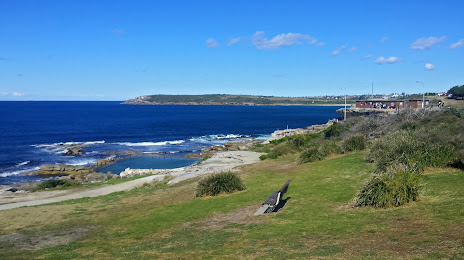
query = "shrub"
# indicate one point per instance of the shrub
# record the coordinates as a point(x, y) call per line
point(435, 148)
point(281, 140)
point(310, 154)
point(335, 130)
point(390, 189)
point(53, 183)
point(298, 140)
point(279, 150)
point(226, 182)
point(355, 143)
point(371, 127)
point(329, 147)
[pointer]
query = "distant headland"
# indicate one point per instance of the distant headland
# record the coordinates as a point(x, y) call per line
point(234, 100)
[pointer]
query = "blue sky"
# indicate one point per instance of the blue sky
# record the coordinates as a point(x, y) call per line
point(115, 50)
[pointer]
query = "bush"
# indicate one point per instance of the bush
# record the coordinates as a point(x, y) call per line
point(329, 147)
point(311, 154)
point(281, 140)
point(279, 150)
point(335, 130)
point(298, 140)
point(390, 189)
point(355, 143)
point(435, 149)
point(53, 183)
point(226, 182)
point(371, 127)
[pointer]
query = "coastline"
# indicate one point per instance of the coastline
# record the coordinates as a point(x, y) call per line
point(223, 104)
point(219, 162)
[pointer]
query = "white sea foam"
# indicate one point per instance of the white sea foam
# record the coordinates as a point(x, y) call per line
point(57, 145)
point(176, 142)
point(217, 137)
point(81, 162)
point(6, 174)
point(151, 143)
point(23, 163)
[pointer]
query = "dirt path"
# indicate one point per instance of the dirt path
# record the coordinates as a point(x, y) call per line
point(222, 161)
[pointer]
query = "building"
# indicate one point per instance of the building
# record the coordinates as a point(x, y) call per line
point(391, 104)
point(381, 103)
point(417, 103)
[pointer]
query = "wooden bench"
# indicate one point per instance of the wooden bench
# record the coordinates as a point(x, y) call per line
point(274, 202)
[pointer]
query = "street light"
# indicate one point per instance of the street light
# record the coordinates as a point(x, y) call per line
point(344, 118)
point(423, 94)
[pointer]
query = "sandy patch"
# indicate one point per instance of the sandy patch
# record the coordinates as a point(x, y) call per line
point(219, 162)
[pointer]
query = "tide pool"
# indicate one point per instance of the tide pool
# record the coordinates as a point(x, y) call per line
point(148, 163)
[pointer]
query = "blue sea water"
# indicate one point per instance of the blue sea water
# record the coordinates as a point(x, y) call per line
point(33, 133)
point(148, 162)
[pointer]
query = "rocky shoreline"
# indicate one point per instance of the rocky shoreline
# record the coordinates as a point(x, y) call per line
point(89, 174)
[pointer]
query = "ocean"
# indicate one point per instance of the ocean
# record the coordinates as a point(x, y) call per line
point(33, 133)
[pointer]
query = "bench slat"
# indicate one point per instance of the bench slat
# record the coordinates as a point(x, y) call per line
point(272, 200)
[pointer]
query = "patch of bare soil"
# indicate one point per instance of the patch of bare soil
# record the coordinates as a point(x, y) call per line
point(243, 216)
point(19, 241)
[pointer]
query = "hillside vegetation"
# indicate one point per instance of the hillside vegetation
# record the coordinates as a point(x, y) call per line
point(223, 99)
point(400, 147)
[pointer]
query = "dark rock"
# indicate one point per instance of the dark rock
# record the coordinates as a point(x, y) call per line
point(13, 189)
point(74, 151)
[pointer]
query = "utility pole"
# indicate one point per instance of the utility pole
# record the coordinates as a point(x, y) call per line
point(344, 117)
point(372, 93)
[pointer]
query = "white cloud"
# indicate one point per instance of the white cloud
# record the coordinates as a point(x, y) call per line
point(281, 40)
point(212, 43)
point(384, 39)
point(337, 51)
point(458, 44)
point(429, 66)
point(390, 60)
point(426, 42)
point(234, 41)
point(321, 44)
point(14, 94)
point(368, 56)
point(352, 49)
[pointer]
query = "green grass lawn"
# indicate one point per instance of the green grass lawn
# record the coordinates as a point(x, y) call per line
point(160, 221)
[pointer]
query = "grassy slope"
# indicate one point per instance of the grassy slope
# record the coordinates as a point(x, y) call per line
point(167, 222)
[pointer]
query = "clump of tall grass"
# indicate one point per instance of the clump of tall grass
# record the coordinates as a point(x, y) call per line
point(225, 182)
point(279, 150)
point(355, 143)
point(56, 183)
point(336, 129)
point(392, 189)
point(317, 151)
point(311, 154)
point(422, 148)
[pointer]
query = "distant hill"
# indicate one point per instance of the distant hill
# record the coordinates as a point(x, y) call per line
point(225, 99)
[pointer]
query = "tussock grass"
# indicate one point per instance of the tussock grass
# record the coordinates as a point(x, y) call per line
point(213, 185)
point(392, 189)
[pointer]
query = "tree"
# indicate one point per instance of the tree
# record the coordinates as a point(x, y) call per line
point(457, 91)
